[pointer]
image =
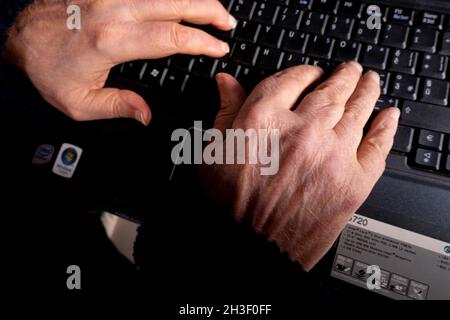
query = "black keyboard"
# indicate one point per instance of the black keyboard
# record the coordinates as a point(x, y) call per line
point(411, 53)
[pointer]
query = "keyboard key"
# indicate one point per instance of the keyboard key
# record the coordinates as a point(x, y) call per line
point(174, 81)
point(431, 139)
point(350, 8)
point(395, 35)
point(242, 9)
point(247, 31)
point(314, 22)
point(182, 62)
point(294, 59)
point(375, 57)
point(434, 66)
point(269, 59)
point(289, 18)
point(426, 116)
point(424, 38)
point(404, 61)
point(328, 6)
point(445, 44)
point(295, 41)
point(436, 92)
point(428, 159)
point(271, 36)
point(204, 67)
point(226, 67)
point(321, 47)
point(384, 82)
point(303, 4)
point(363, 34)
point(326, 65)
point(341, 27)
point(153, 75)
point(132, 70)
point(403, 139)
point(346, 50)
point(265, 13)
point(405, 86)
point(401, 15)
point(366, 13)
point(384, 102)
point(447, 166)
point(245, 53)
point(432, 19)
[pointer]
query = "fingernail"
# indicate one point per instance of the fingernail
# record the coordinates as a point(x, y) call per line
point(232, 22)
point(140, 117)
point(357, 65)
point(395, 114)
point(225, 47)
point(219, 79)
point(373, 74)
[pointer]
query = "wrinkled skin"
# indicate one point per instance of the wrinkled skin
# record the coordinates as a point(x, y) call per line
point(327, 169)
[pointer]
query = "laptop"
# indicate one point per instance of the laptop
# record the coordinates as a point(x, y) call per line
point(398, 243)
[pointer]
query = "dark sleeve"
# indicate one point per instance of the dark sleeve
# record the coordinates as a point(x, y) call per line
point(9, 9)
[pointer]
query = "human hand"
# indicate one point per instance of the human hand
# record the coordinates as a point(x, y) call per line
point(327, 168)
point(70, 67)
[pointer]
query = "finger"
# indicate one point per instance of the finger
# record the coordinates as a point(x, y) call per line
point(283, 89)
point(159, 39)
point(232, 97)
point(328, 100)
point(375, 147)
point(359, 108)
point(111, 103)
point(198, 12)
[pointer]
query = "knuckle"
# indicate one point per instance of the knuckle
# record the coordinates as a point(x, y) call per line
point(180, 36)
point(320, 97)
point(103, 34)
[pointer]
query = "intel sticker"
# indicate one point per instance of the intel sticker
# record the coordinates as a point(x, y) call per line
point(43, 155)
point(67, 160)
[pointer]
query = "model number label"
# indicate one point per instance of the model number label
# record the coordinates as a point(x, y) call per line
point(359, 220)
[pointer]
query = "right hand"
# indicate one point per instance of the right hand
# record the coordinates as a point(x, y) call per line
point(326, 167)
point(70, 67)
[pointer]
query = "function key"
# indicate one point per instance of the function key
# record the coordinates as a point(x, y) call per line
point(328, 6)
point(431, 19)
point(374, 10)
point(302, 4)
point(350, 8)
point(401, 15)
point(428, 159)
point(431, 139)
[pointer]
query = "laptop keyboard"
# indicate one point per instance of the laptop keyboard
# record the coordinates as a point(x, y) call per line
point(410, 51)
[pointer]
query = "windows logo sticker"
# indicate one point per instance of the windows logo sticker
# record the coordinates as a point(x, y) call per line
point(67, 160)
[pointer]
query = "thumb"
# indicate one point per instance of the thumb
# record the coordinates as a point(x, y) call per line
point(108, 103)
point(232, 97)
